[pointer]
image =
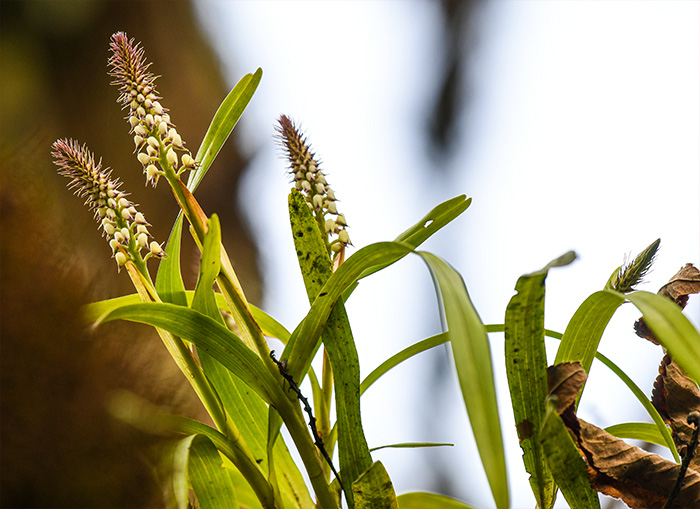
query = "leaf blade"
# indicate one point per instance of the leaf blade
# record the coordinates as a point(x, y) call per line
point(209, 479)
point(673, 330)
point(472, 357)
point(566, 463)
point(526, 367)
point(222, 124)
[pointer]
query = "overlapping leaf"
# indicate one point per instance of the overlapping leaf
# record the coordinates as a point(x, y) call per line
point(526, 367)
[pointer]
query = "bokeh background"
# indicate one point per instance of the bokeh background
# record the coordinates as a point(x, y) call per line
point(573, 125)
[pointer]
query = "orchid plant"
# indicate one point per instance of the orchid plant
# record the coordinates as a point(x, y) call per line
point(220, 341)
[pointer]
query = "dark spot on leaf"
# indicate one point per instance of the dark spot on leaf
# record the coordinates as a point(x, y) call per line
point(524, 429)
point(323, 294)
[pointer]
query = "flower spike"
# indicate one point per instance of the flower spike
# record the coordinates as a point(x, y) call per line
point(156, 140)
point(124, 227)
point(310, 180)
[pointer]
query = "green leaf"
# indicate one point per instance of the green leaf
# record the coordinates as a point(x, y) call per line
point(429, 224)
point(269, 326)
point(169, 284)
point(638, 431)
point(403, 355)
point(472, 356)
point(412, 445)
point(566, 463)
point(373, 489)
point(337, 337)
point(204, 300)
point(526, 366)
point(303, 344)
point(673, 330)
point(210, 481)
point(418, 500)
point(222, 124)
point(246, 410)
point(208, 335)
point(582, 335)
point(179, 474)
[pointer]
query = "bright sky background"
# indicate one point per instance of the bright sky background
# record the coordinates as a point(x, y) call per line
point(583, 133)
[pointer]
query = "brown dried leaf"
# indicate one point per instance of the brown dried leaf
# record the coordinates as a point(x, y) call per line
point(564, 381)
point(615, 468)
point(675, 396)
point(641, 479)
point(684, 283)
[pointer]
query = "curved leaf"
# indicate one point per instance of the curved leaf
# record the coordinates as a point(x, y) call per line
point(403, 355)
point(303, 345)
point(418, 500)
point(582, 335)
point(637, 431)
point(222, 124)
point(429, 224)
point(673, 330)
point(373, 489)
point(207, 334)
point(210, 481)
point(472, 357)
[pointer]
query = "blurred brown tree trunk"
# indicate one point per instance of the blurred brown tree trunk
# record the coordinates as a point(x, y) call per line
point(59, 445)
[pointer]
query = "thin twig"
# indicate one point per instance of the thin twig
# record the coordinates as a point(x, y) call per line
point(282, 366)
point(693, 418)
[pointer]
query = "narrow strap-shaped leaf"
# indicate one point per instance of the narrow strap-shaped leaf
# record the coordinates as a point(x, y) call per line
point(304, 343)
point(270, 327)
point(526, 367)
point(566, 463)
point(418, 500)
point(180, 482)
point(472, 357)
point(316, 269)
point(145, 416)
point(204, 300)
point(208, 335)
point(638, 431)
point(412, 445)
point(210, 481)
point(245, 408)
point(222, 124)
point(169, 284)
point(673, 330)
point(429, 224)
point(582, 335)
point(374, 490)
point(403, 355)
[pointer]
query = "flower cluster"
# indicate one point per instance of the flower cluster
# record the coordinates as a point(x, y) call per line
point(311, 182)
point(630, 274)
point(157, 142)
point(125, 228)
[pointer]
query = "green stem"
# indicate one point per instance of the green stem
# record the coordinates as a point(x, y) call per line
point(227, 281)
point(181, 355)
point(323, 415)
point(296, 425)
